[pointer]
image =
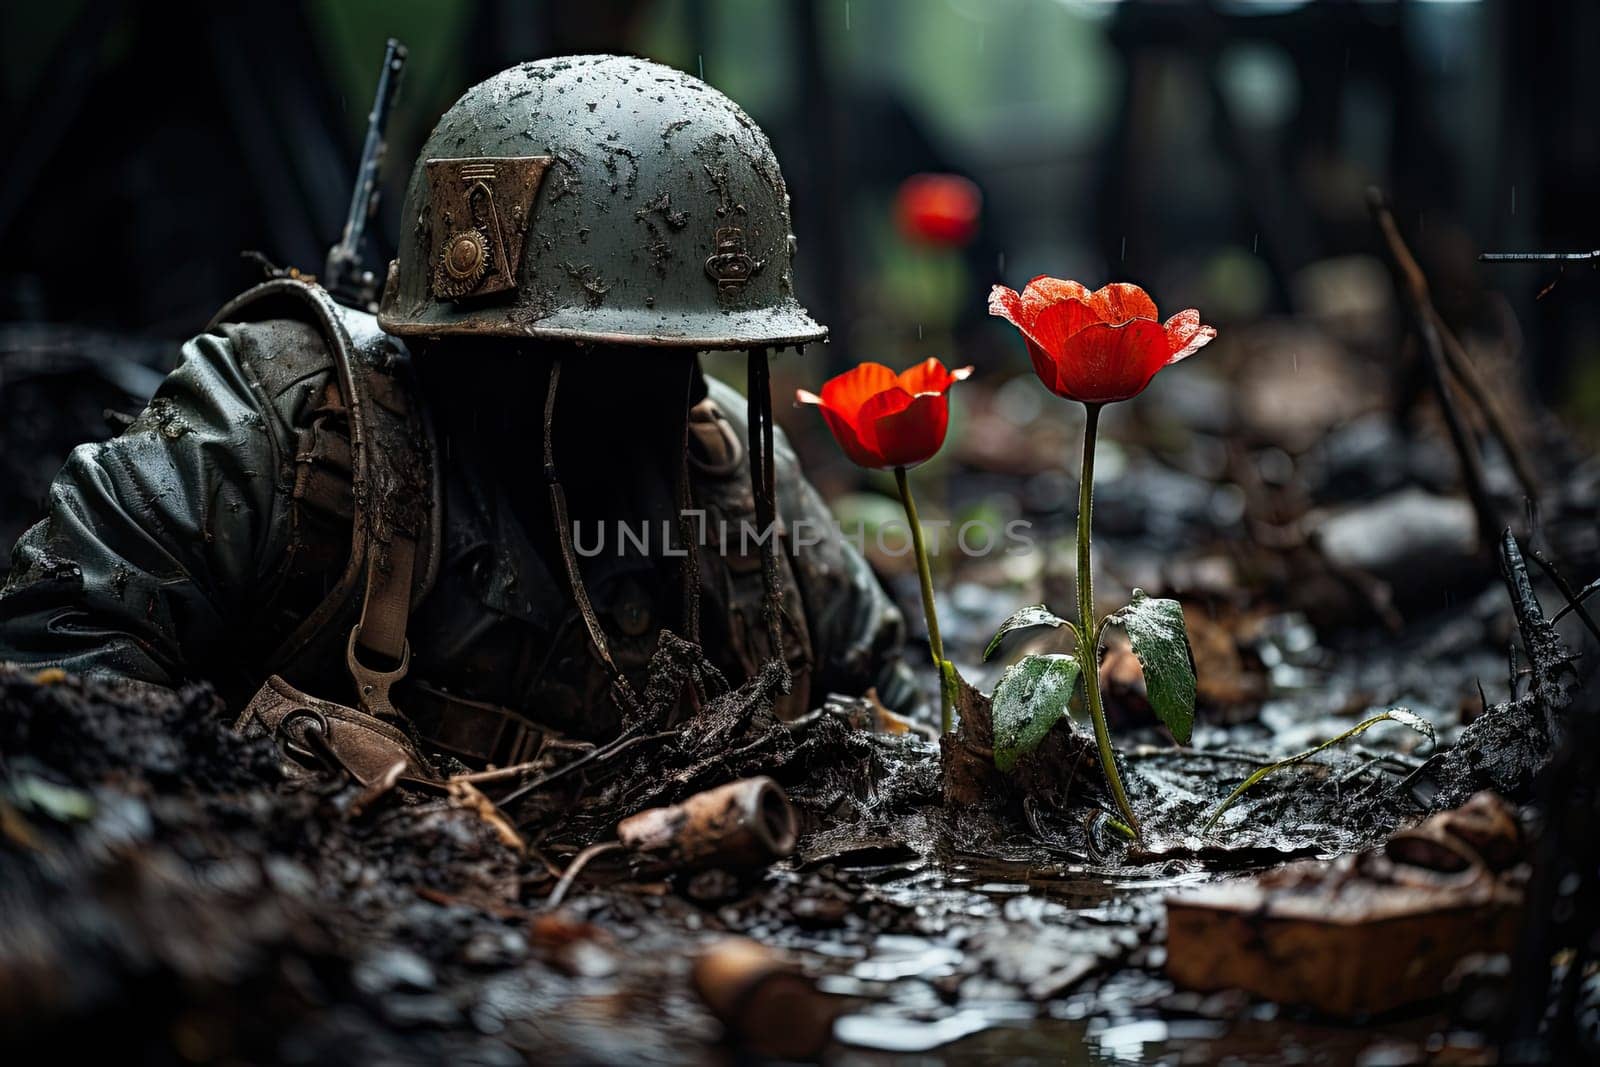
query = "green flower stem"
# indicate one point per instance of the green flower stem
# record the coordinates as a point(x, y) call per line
point(935, 643)
point(1088, 632)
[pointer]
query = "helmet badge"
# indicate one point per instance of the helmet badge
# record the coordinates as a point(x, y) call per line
point(730, 266)
point(480, 212)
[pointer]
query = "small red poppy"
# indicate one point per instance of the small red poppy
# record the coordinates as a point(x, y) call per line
point(939, 209)
point(882, 419)
point(1097, 347)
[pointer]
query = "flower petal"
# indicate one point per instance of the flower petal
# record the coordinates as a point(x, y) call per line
point(1044, 364)
point(1006, 303)
point(1059, 297)
point(1054, 326)
point(846, 393)
point(1121, 302)
point(906, 430)
point(1044, 290)
point(1186, 335)
point(860, 453)
point(1106, 363)
point(930, 376)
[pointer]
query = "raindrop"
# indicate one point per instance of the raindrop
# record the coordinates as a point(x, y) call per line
point(1124, 247)
point(1255, 242)
point(1000, 262)
point(701, 57)
point(1513, 199)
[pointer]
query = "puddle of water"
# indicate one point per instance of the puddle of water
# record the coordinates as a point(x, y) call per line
point(886, 1033)
point(898, 956)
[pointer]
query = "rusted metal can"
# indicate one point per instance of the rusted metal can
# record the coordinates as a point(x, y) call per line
point(748, 823)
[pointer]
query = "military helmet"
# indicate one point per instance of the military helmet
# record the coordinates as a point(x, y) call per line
point(598, 199)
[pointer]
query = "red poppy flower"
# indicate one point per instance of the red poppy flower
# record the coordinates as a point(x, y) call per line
point(882, 419)
point(1097, 347)
point(940, 209)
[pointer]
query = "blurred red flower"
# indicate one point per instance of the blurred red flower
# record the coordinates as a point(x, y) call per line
point(1097, 347)
point(940, 209)
point(882, 419)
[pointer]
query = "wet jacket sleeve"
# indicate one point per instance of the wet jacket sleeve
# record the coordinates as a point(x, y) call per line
point(857, 633)
point(156, 541)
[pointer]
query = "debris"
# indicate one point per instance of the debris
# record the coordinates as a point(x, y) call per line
point(1447, 366)
point(1053, 773)
point(1356, 936)
point(575, 868)
point(1399, 715)
point(467, 795)
point(1503, 748)
point(765, 1003)
point(1482, 831)
point(748, 823)
point(1411, 540)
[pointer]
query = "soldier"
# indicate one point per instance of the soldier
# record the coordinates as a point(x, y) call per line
point(372, 519)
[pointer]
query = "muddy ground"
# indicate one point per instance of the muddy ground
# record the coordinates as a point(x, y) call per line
point(164, 881)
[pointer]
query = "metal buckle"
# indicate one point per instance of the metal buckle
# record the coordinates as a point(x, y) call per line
point(373, 685)
point(317, 749)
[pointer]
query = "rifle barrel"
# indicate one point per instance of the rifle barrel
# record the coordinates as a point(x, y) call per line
point(1536, 257)
point(344, 276)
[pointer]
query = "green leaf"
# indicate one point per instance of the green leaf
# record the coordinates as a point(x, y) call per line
point(1037, 615)
point(1399, 715)
point(59, 802)
point(1031, 698)
point(1155, 629)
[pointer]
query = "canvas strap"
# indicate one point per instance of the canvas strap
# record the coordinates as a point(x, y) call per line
point(762, 487)
point(622, 691)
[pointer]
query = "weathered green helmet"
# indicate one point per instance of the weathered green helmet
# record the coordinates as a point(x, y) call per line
point(597, 199)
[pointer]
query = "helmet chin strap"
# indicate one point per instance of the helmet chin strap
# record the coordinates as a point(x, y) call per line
point(621, 690)
point(762, 480)
point(691, 546)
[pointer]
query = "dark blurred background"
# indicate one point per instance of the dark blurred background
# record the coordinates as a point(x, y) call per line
point(1216, 152)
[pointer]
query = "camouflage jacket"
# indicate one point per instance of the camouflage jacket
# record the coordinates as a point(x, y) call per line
point(191, 545)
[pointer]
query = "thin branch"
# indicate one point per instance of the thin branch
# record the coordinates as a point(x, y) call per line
point(1574, 602)
point(1413, 286)
point(626, 740)
point(1466, 373)
point(1583, 594)
point(579, 862)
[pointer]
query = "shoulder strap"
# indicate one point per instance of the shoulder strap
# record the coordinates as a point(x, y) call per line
point(394, 547)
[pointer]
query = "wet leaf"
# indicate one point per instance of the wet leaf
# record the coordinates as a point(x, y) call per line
point(1031, 698)
point(59, 802)
point(1156, 631)
point(1399, 715)
point(1036, 615)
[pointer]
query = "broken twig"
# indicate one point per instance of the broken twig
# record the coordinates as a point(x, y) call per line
point(624, 741)
point(1466, 373)
point(1574, 600)
point(575, 868)
point(1413, 285)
